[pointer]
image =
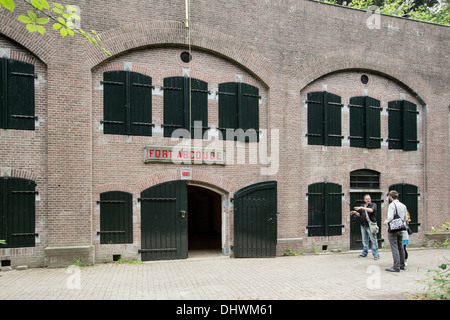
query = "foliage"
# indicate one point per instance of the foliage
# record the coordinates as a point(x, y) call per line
point(445, 227)
point(289, 252)
point(437, 11)
point(79, 263)
point(438, 283)
point(63, 18)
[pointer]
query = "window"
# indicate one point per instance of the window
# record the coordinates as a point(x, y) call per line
point(324, 209)
point(239, 111)
point(116, 217)
point(16, 95)
point(364, 179)
point(17, 212)
point(365, 127)
point(409, 194)
point(185, 107)
point(324, 119)
point(127, 103)
point(402, 125)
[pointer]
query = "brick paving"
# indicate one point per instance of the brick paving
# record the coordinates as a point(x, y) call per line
point(314, 276)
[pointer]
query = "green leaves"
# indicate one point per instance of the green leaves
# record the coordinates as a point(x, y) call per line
point(33, 23)
point(8, 4)
point(63, 17)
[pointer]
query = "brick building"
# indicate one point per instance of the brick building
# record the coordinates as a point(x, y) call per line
point(251, 129)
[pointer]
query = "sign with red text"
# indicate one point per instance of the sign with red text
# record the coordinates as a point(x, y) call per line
point(184, 155)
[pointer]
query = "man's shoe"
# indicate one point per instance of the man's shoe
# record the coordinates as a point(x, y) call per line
point(361, 256)
point(376, 258)
point(402, 268)
point(392, 270)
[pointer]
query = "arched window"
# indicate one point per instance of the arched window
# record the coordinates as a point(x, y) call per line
point(364, 179)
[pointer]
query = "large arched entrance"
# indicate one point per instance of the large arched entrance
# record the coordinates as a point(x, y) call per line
point(205, 221)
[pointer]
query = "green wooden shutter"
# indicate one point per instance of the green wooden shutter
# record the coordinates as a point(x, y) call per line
point(17, 212)
point(332, 107)
point(357, 122)
point(409, 196)
point(115, 102)
point(333, 209)
point(175, 113)
point(395, 137)
point(3, 95)
point(20, 97)
point(365, 127)
point(315, 118)
point(409, 126)
point(116, 217)
point(228, 109)
point(316, 209)
point(199, 107)
point(324, 209)
point(248, 112)
point(140, 123)
point(373, 123)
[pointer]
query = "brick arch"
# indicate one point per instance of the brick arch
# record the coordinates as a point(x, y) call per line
point(113, 187)
point(23, 174)
point(42, 46)
point(164, 33)
point(393, 69)
point(198, 176)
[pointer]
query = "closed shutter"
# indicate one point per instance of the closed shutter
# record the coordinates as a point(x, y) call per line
point(114, 102)
point(409, 196)
point(228, 109)
point(333, 105)
point(315, 118)
point(199, 108)
point(373, 123)
point(402, 125)
point(324, 119)
point(333, 209)
point(17, 212)
point(410, 126)
point(324, 209)
point(316, 210)
point(175, 114)
point(365, 126)
point(18, 95)
point(357, 122)
point(239, 111)
point(3, 91)
point(395, 125)
point(248, 113)
point(116, 217)
point(140, 123)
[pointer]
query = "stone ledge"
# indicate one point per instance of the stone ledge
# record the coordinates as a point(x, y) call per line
point(64, 256)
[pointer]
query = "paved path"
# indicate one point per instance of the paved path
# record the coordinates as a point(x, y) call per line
point(324, 276)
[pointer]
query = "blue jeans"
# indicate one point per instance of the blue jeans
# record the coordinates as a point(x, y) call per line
point(366, 235)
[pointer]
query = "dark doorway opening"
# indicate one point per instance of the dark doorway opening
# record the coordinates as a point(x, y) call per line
point(204, 221)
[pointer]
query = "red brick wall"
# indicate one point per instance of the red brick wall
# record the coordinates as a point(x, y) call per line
point(285, 48)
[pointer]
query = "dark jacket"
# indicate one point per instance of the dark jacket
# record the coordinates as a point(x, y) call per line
point(372, 216)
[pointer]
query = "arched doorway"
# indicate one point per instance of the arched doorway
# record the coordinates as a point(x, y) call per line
point(205, 221)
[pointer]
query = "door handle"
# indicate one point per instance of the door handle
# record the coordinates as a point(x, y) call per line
point(270, 220)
